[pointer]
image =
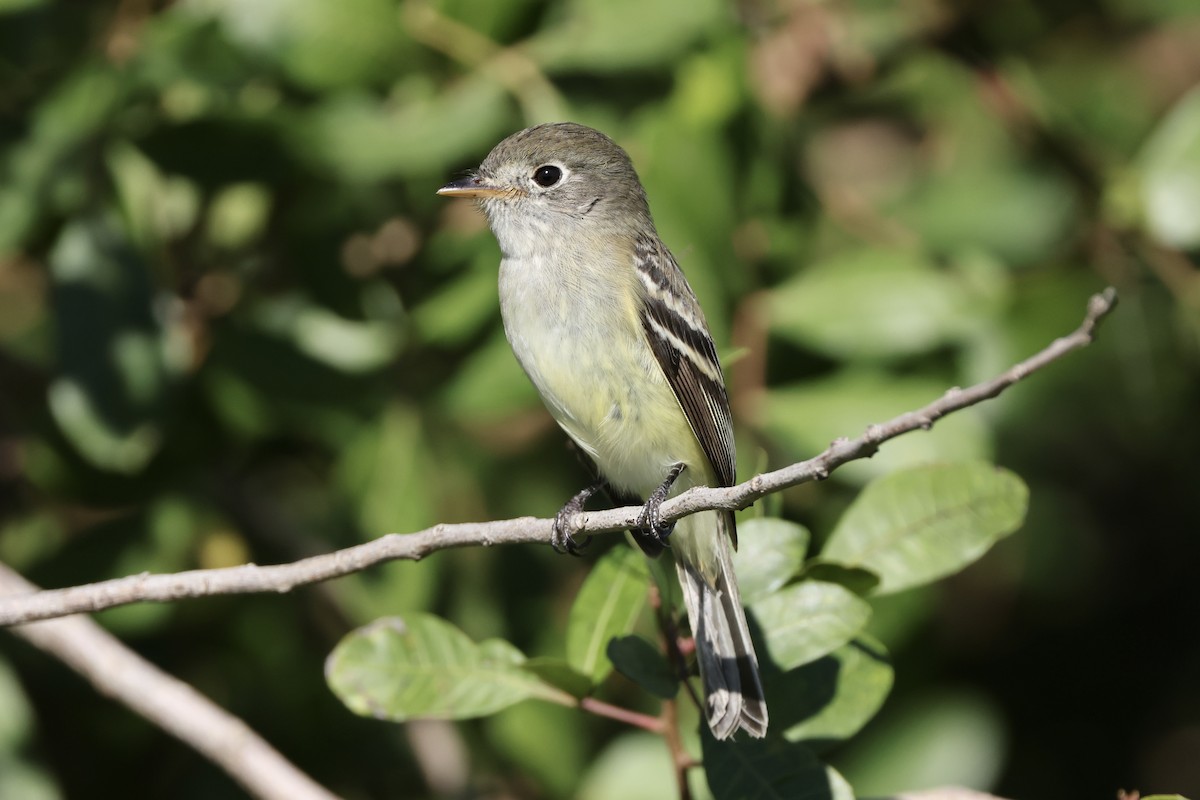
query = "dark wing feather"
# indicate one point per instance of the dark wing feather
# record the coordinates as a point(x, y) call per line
point(678, 335)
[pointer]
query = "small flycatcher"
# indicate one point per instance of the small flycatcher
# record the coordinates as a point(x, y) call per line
point(606, 326)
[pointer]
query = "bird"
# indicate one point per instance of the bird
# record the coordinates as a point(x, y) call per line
point(603, 321)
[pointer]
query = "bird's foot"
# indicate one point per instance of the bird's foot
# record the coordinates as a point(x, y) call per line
point(560, 538)
point(650, 523)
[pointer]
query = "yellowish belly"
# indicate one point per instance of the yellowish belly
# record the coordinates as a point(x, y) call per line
point(590, 362)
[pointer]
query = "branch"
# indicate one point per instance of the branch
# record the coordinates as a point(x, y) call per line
point(116, 671)
point(251, 578)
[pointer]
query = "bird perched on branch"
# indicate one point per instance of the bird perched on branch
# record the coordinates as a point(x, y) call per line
point(604, 323)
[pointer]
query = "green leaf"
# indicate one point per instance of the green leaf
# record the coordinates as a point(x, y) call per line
point(363, 141)
point(519, 735)
point(768, 769)
point(944, 739)
point(1171, 175)
point(805, 621)
point(461, 309)
point(320, 45)
point(156, 208)
point(347, 345)
point(635, 766)
point(856, 579)
point(642, 663)
point(770, 552)
point(16, 716)
point(41, 175)
point(830, 699)
point(623, 34)
point(694, 210)
point(421, 666)
point(607, 606)
point(238, 214)
point(558, 673)
point(389, 451)
point(1025, 216)
point(26, 781)
point(806, 417)
point(873, 303)
point(915, 526)
point(13, 6)
point(489, 385)
point(115, 368)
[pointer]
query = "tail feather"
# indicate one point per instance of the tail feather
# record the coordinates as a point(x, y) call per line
point(728, 664)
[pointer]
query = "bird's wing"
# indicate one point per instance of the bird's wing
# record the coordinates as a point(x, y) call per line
point(678, 335)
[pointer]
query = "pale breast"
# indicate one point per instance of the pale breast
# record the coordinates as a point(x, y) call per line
point(576, 333)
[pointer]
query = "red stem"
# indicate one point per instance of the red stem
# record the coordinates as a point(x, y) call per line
point(634, 718)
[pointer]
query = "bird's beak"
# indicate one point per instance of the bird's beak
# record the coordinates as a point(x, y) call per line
point(472, 186)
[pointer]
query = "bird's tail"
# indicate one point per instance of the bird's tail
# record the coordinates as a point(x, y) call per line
point(733, 693)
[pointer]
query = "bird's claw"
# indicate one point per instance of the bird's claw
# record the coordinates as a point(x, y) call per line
point(650, 523)
point(651, 526)
point(560, 537)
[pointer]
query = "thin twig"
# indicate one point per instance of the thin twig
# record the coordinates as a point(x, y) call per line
point(635, 718)
point(116, 671)
point(251, 578)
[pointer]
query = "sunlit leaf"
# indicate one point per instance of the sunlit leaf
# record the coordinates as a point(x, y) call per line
point(238, 214)
point(830, 699)
point(362, 141)
point(623, 34)
point(1171, 175)
point(420, 666)
point(805, 621)
point(1006, 209)
point(93, 435)
point(805, 417)
point(16, 715)
point(635, 766)
point(26, 781)
point(320, 45)
point(344, 344)
point(770, 552)
point(873, 303)
point(943, 739)
point(156, 207)
point(917, 525)
point(558, 673)
point(113, 371)
point(607, 606)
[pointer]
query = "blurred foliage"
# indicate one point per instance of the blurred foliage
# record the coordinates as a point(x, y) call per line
point(236, 324)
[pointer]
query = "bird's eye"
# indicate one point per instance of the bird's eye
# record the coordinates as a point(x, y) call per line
point(547, 176)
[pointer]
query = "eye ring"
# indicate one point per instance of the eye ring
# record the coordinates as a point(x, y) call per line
point(547, 175)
